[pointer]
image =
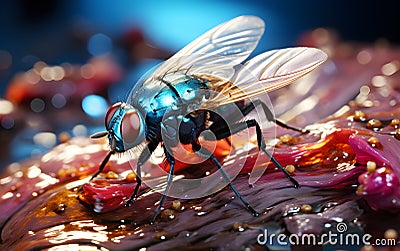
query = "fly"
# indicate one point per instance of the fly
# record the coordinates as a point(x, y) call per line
point(179, 100)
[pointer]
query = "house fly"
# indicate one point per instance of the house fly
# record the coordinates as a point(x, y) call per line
point(186, 95)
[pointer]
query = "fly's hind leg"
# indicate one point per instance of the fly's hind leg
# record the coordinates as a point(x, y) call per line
point(224, 132)
point(203, 151)
point(245, 110)
point(252, 105)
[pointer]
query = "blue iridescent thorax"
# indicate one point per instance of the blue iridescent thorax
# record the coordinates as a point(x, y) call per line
point(175, 91)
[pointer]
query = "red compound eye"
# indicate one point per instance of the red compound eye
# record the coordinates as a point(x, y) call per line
point(131, 128)
point(111, 112)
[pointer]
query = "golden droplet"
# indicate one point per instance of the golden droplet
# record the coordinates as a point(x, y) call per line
point(131, 177)
point(359, 116)
point(374, 124)
point(391, 234)
point(290, 169)
point(397, 134)
point(167, 214)
point(395, 123)
point(239, 226)
point(371, 166)
point(176, 204)
point(374, 142)
point(306, 208)
point(112, 175)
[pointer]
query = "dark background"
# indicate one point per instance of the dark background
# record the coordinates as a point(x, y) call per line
point(57, 31)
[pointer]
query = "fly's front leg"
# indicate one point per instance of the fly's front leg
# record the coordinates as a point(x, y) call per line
point(224, 132)
point(170, 158)
point(144, 156)
point(205, 152)
point(102, 165)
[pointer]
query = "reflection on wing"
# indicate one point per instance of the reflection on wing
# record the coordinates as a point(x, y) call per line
point(266, 72)
point(234, 40)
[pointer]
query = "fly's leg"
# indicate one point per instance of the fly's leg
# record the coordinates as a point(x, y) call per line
point(144, 156)
point(250, 107)
point(245, 110)
point(102, 165)
point(240, 126)
point(203, 151)
point(138, 184)
point(171, 161)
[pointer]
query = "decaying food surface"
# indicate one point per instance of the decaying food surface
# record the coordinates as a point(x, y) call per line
point(348, 167)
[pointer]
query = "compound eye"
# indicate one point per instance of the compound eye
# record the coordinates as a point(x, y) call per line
point(111, 112)
point(131, 128)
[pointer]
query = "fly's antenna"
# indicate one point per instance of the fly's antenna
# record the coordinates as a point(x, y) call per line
point(98, 135)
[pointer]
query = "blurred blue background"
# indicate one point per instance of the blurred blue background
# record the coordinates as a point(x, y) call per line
point(134, 35)
point(57, 31)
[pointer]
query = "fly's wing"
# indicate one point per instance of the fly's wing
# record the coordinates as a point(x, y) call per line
point(266, 72)
point(216, 51)
point(226, 45)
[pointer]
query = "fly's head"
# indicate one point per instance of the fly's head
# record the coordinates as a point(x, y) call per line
point(125, 127)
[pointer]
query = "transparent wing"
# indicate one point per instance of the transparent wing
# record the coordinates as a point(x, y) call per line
point(266, 72)
point(220, 48)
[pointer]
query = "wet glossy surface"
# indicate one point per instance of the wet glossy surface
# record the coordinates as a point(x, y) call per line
point(47, 203)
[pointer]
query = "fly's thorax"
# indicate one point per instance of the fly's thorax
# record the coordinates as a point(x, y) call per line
point(175, 91)
point(125, 126)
